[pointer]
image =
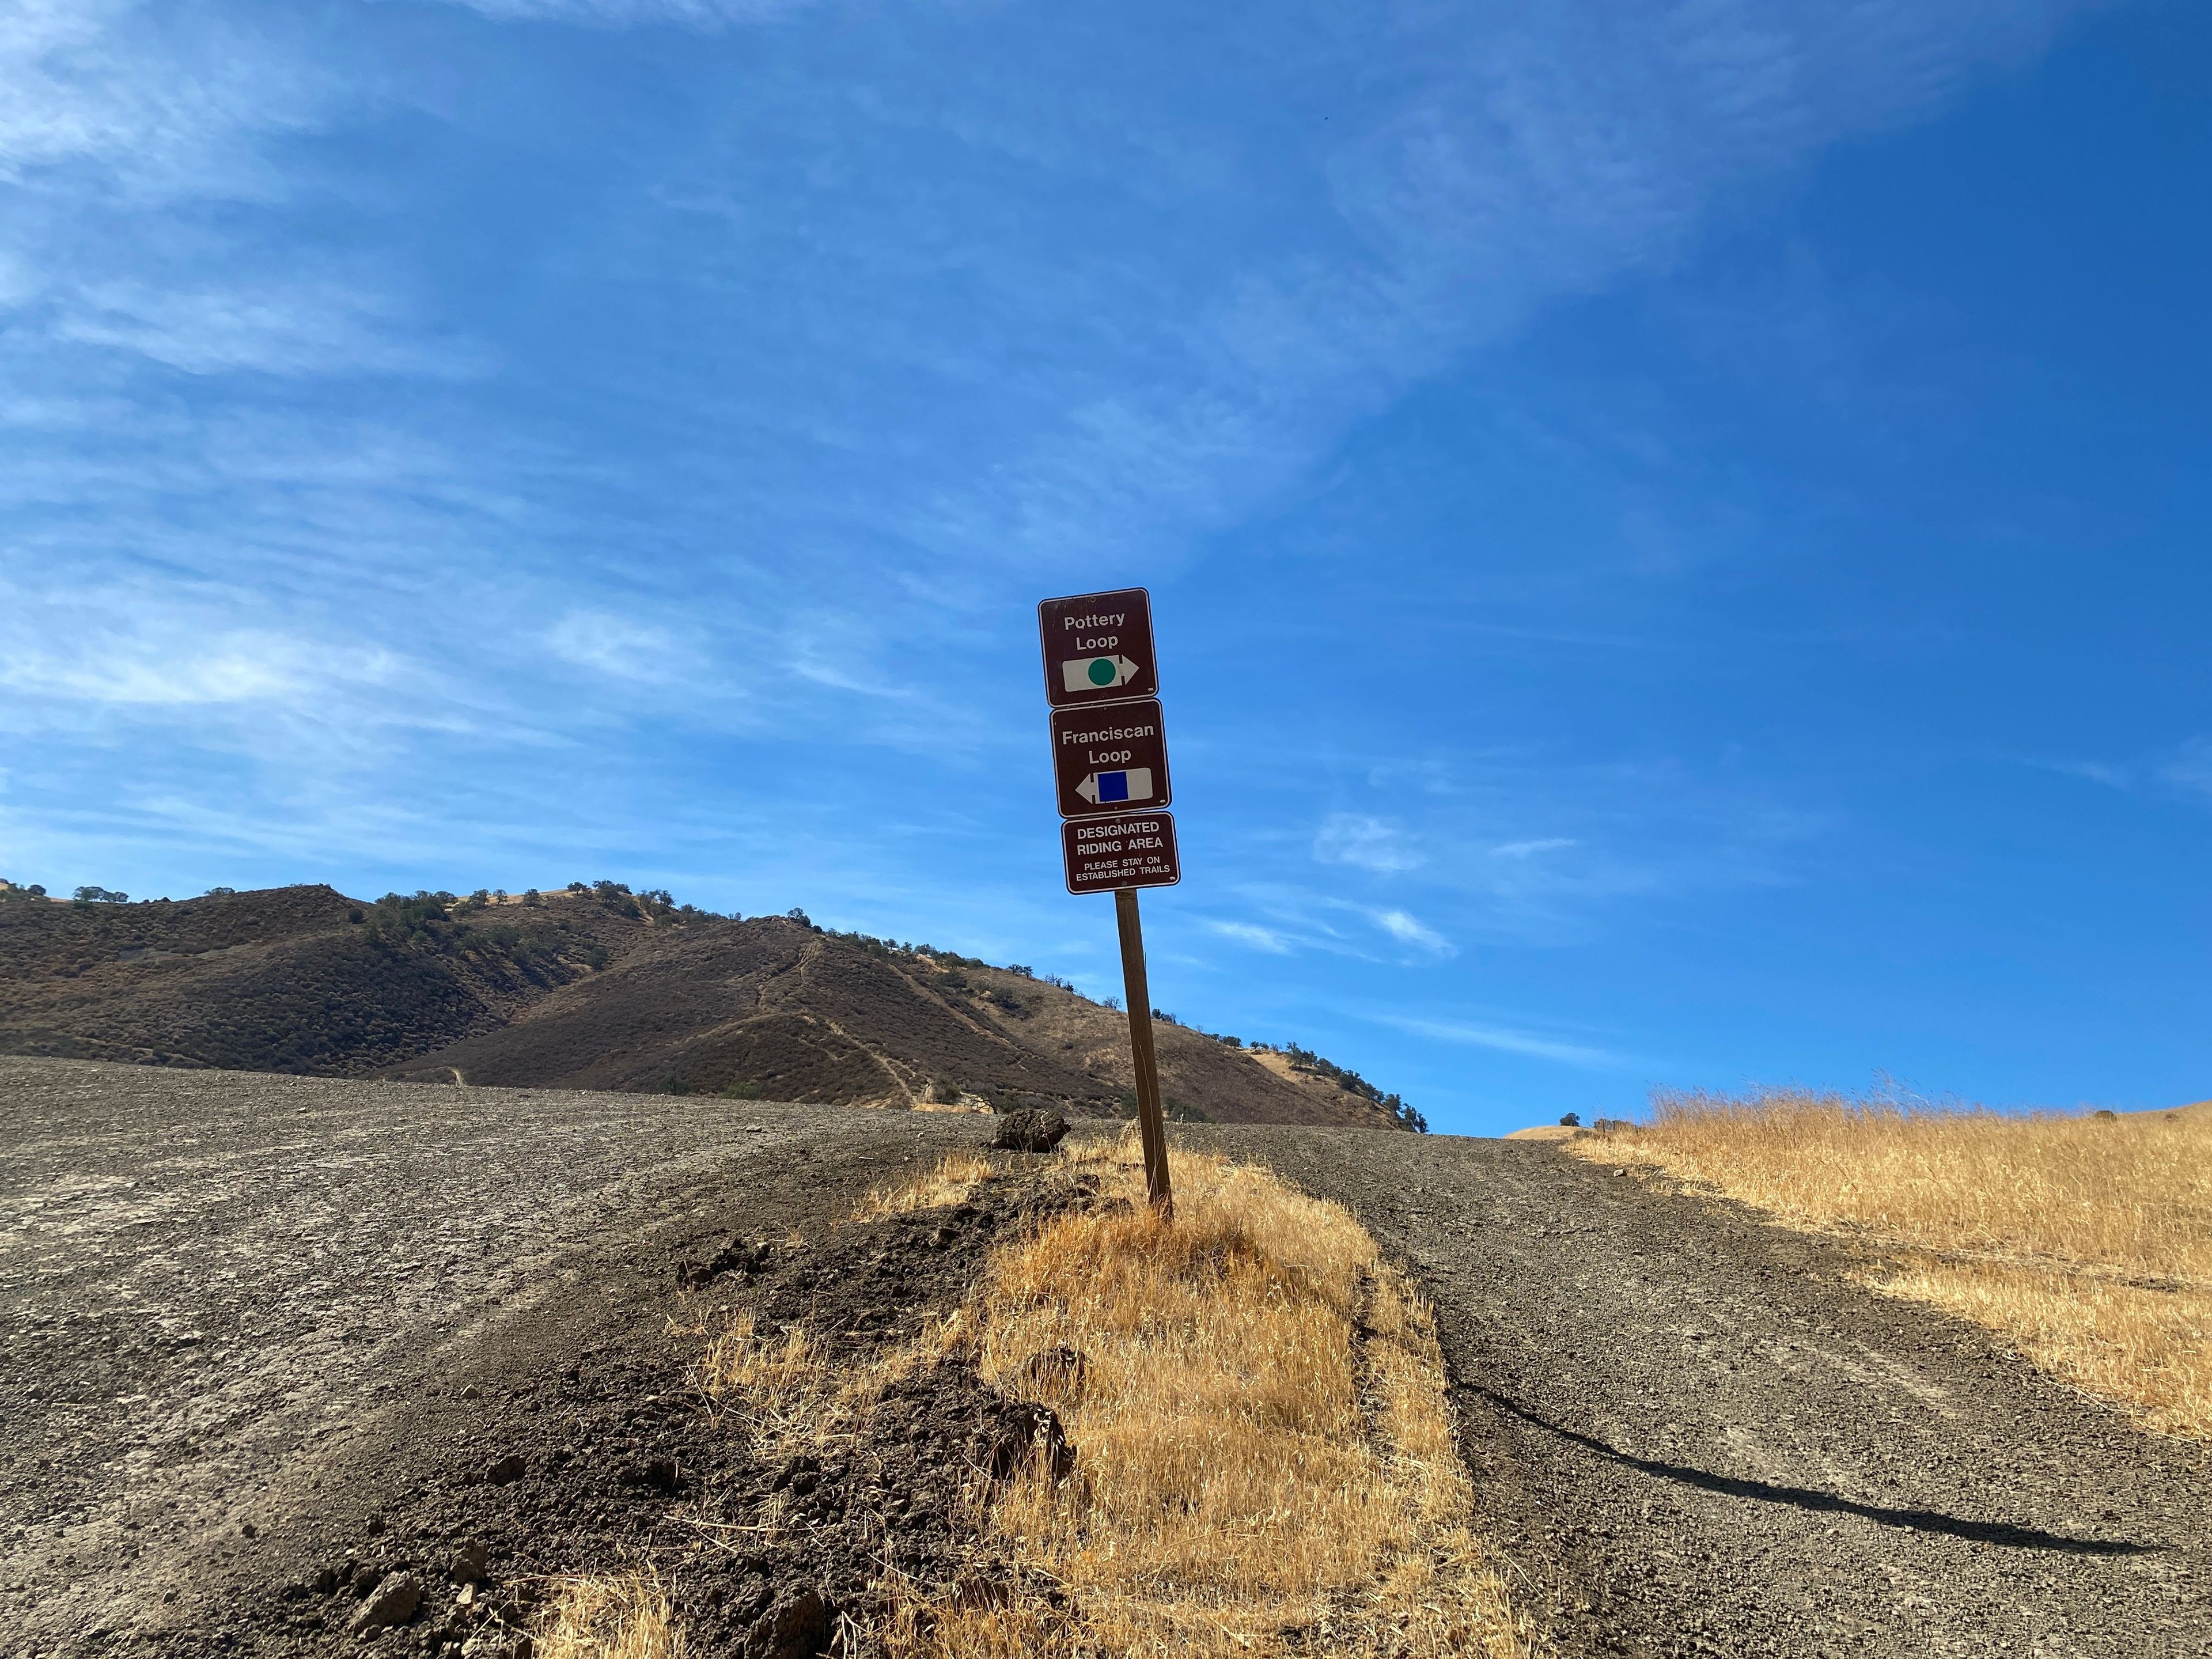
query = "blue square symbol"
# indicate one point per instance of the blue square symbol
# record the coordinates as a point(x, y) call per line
point(1113, 786)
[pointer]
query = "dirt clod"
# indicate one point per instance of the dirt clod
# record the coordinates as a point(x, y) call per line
point(1029, 1436)
point(471, 1562)
point(1034, 1130)
point(796, 1626)
point(740, 1255)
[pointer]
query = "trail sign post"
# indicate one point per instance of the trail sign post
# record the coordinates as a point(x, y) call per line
point(1109, 764)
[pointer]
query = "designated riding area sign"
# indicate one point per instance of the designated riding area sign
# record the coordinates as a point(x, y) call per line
point(1103, 854)
point(1098, 647)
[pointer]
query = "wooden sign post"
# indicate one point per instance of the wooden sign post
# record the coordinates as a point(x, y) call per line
point(1109, 761)
point(1151, 1123)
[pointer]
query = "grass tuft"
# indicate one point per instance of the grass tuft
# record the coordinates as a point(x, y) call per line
point(2086, 1239)
point(610, 1616)
point(952, 1182)
point(777, 1376)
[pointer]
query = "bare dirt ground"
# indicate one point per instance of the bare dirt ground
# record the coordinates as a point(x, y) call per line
point(334, 1311)
point(237, 1302)
point(1698, 1437)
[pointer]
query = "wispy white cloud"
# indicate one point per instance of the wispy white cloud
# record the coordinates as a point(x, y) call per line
point(1521, 163)
point(620, 646)
point(128, 131)
point(1408, 929)
point(1508, 1040)
point(103, 666)
point(2190, 768)
point(302, 327)
point(1245, 933)
point(2110, 774)
point(2186, 766)
point(622, 13)
point(1641, 830)
point(125, 649)
point(118, 101)
point(1529, 850)
point(1360, 839)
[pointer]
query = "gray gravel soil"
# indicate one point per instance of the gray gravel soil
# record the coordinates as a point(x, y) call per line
point(243, 1311)
point(1697, 1435)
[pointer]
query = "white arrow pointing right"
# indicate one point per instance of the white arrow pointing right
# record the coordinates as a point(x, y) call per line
point(1077, 675)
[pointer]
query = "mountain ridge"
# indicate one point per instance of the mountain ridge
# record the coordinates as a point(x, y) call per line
point(597, 987)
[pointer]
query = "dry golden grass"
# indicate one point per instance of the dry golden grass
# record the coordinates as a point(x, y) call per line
point(950, 1182)
point(791, 1391)
point(1264, 1440)
point(610, 1616)
point(2088, 1240)
point(779, 1378)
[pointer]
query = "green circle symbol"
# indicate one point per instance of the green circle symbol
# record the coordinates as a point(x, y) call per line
point(1102, 670)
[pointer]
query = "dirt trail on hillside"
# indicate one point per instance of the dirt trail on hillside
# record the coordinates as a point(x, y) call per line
point(227, 1298)
point(1698, 1436)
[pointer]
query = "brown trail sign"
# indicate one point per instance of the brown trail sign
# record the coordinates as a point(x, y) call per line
point(1098, 647)
point(1102, 855)
point(1110, 759)
point(1109, 764)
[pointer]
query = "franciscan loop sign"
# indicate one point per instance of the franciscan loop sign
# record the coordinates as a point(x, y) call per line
point(1098, 647)
point(1112, 758)
point(1136, 851)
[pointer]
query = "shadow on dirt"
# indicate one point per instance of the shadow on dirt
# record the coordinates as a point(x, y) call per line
point(1999, 1533)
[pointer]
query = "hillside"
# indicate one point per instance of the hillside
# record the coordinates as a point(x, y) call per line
point(599, 990)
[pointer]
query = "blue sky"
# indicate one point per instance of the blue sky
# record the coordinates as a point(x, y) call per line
point(1678, 533)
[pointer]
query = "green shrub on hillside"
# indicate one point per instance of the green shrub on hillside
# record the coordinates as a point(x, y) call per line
point(1305, 1059)
point(543, 951)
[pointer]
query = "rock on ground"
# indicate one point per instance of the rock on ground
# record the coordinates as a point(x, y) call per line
point(394, 1601)
point(1035, 1129)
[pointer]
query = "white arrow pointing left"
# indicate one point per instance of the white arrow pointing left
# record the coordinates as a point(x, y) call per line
point(1102, 788)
